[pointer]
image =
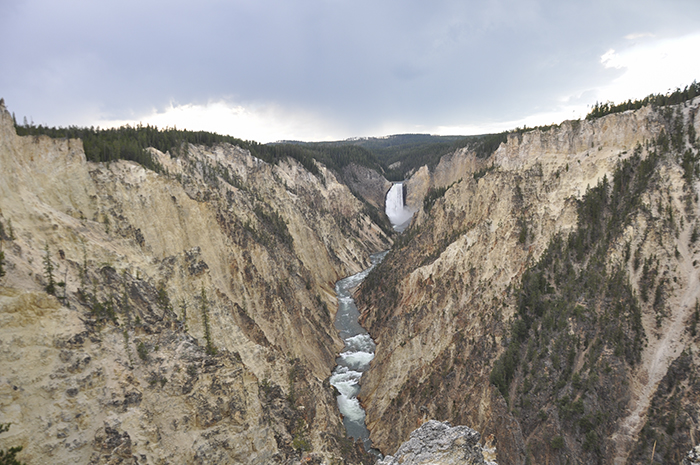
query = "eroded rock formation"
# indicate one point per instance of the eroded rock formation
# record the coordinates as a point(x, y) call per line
point(586, 383)
point(439, 443)
point(192, 320)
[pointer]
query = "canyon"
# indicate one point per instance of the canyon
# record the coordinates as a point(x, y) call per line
point(472, 278)
point(194, 318)
point(544, 294)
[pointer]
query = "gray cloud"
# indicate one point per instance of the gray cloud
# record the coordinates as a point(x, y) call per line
point(361, 64)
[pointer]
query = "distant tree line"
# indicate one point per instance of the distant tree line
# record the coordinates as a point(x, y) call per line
point(128, 142)
point(332, 156)
point(396, 157)
point(411, 150)
point(658, 100)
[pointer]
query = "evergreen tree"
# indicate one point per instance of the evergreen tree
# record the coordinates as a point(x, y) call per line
point(211, 349)
point(48, 272)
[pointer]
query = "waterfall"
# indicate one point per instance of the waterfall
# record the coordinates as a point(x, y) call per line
point(359, 346)
point(399, 214)
point(355, 357)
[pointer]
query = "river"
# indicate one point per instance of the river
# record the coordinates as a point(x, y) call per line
point(355, 357)
point(359, 346)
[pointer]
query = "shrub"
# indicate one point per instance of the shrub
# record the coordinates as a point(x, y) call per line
point(142, 351)
point(9, 456)
point(557, 442)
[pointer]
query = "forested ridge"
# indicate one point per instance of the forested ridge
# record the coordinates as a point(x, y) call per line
point(406, 152)
point(657, 100)
point(395, 156)
point(587, 313)
point(130, 143)
point(577, 333)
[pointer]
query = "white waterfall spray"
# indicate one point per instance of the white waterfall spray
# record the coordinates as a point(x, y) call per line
point(399, 214)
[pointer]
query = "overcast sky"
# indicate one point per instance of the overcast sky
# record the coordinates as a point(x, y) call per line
point(269, 70)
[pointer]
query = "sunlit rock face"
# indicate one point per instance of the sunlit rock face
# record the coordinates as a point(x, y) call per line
point(438, 443)
point(440, 307)
point(196, 320)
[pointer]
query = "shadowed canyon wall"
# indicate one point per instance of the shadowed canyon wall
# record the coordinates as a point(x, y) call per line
point(547, 297)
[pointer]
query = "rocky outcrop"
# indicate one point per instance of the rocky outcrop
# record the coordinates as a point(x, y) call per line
point(451, 169)
point(367, 183)
point(192, 320)
point(438, 443)
point(693, 457)
point(440, 305)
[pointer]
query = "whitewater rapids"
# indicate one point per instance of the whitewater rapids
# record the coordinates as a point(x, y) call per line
point(355, 357)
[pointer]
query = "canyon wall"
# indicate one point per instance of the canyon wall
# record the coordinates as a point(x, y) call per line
point(192, 320)
point(545, 300)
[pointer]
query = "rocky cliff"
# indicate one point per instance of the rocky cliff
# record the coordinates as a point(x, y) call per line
point(548, 297)
point(367, 183)
point(439, 443)
point(191, 319)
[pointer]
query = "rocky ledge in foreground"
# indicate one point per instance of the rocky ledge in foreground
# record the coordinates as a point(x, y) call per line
point(693, 457)
point(439, 443)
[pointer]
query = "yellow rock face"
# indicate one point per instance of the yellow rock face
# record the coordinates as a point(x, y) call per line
point(119, 367)
point(439, 315)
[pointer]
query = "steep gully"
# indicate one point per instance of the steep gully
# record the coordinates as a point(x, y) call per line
point(359, 346)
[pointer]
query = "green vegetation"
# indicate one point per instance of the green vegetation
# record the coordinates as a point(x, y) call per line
point(131, 142)
point(577, 331)
point(125, 334)
point(485, 145)
point(411, 151)
point(124, 143)
point(163, 300)
point(335, 156)
point(301, 443)
point(274, 224)
point(523, 234)
point(273, 153)
point(2, 263)
point(657, 100)
point(183, 318)
point(8, 235)
point(483, 172)
point(573, 271)
point(157, 378)
point(433, 194)
point(670, 416)
point(103, 310)
point(142, 350)
point(394, 156)
point(48, 272)
point(557, 442)
point(211, 349)
point(9, 456)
